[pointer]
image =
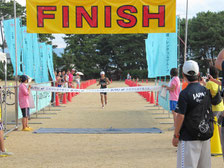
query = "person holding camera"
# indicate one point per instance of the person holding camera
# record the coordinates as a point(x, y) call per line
point(215, 90)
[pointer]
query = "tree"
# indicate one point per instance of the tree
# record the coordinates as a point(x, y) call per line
point(205, 38)
point(7, 12)
point(111, 53)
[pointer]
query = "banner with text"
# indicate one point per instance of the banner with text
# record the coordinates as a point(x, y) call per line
point(108, 90)
point(101, 16)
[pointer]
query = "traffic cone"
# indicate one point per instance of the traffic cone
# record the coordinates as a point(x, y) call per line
point(69, 97)
point(157, 99)
point(77, 88)
point(144, 95)
point(57, 100)
point(216, 148)
point(64, 101)
point(72, 93)
point(148, 97)
point(152, 98)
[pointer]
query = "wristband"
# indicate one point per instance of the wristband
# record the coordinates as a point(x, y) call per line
point(176, 136)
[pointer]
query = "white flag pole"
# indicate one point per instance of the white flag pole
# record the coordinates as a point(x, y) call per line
point(186, 33)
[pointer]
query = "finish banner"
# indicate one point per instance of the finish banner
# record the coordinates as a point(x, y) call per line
point(101, 16)
point(110, 90)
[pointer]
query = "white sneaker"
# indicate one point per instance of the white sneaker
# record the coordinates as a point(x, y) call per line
point(4, 154)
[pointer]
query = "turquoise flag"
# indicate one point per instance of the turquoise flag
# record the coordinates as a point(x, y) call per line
point(43, 62)
point(9, 31)
point(36, 58)
point(161, 53)
point(27, 53)
point(50, 61)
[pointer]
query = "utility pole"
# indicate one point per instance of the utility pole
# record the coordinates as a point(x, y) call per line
point(186, 32)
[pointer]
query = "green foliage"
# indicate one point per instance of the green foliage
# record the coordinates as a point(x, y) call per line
point(205, 38)
point(7, 12)
point(135, 73)
point(111, 53)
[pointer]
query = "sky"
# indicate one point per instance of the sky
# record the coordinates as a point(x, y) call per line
point(195, 6)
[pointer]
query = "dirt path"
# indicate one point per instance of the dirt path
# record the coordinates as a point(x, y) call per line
point(125, 110)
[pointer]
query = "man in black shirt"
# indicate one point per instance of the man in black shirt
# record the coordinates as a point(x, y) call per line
point(219, 63)
point(192, 153)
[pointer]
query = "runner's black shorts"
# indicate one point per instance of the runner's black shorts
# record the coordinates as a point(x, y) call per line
point(104, 93)
point(25, 112)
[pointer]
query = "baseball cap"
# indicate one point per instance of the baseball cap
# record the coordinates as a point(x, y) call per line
point(102, 73)
point(191, 66)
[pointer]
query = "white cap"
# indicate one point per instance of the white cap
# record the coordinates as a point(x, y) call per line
point(102, 73)
point(191, 66)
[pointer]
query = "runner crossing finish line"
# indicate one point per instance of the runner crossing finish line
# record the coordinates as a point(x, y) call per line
point(110, 90)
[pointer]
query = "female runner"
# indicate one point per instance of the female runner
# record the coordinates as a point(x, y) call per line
point(103, 82)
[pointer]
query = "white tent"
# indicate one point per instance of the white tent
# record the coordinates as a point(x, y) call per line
point(3, 57)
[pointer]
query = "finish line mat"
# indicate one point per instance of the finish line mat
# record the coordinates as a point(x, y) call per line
point(97, 131)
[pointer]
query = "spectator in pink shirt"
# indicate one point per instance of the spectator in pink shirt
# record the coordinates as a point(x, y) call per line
point(24, 93)
point(174, 89)
point(71, 78)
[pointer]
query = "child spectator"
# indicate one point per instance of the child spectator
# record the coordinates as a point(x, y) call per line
point(174, 89)
point(24, 93)
point(78, 80)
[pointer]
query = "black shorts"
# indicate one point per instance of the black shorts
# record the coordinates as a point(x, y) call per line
point(26, 112)
point(105, 93)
